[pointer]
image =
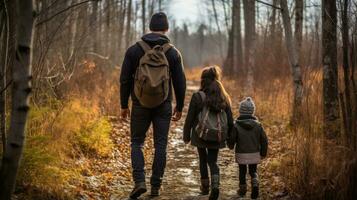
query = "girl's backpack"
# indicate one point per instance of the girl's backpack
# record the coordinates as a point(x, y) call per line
point(152, 77)
point(212, 126)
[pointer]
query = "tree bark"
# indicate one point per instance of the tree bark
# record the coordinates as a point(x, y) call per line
point(250, 42)
point(294, 62)
point(346, 69)
point(93, 24)
point(128, 24)
point(4, 28)
point(143, 16)
point(331, 115)
point(299, 17)
point(237, 37)
point(215, 14)
point(21, 88)
point(121, 24)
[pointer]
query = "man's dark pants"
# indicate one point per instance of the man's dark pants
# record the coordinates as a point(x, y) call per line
point(141, 118)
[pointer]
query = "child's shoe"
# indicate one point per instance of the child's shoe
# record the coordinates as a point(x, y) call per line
point(215, 188)
point(204, 187)
point(155, 191)
point(242, 190)
point(255, 188)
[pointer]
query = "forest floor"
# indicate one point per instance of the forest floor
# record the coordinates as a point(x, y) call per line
point(110, 178)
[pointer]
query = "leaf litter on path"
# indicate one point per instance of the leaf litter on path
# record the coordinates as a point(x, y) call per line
point(111, 178)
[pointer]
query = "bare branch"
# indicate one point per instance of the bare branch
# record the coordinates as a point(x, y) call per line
point(268, 4)
point(62, 11)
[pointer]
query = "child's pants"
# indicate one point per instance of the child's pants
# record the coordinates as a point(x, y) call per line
point(243, 171)
point(208, 156)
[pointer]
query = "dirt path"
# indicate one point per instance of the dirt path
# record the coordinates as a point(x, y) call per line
point(181, 180)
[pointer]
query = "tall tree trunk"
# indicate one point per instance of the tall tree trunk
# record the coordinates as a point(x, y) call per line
point(73, 29)
point(160, 5)
point(128, 24)
point(226, 14)
point(122, 13)
point(4, 53)
point(354, 89)
point(143, 15)
point(272, 36)
point(21, 88)
point(299, 17)
point(237, 37)
point(152, 8)
point(346, 70)
point(94, 26)
point(294, 62)
point(215, 14)
point(316, 55)
point(250, 42)
point(331, 115)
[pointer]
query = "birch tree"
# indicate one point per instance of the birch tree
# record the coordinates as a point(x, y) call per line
point(330, 73)
point(293, 58)
point(21, 88)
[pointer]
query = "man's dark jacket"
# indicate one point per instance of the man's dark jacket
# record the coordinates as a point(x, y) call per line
point(131, 62)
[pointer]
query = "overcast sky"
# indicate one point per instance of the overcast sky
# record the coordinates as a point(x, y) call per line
point(184, 10)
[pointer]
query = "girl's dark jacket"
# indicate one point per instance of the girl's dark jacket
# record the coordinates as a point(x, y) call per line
point(196, 106)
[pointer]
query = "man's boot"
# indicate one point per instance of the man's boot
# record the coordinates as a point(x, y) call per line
point(215, 187)
point(155, 191)
point(255, 187)
point(242, 190)
point(139, 189)
point(204, 186)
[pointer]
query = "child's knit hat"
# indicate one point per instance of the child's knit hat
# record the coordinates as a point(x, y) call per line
point(247, 106)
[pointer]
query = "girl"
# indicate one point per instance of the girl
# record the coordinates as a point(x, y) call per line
point(211, 98)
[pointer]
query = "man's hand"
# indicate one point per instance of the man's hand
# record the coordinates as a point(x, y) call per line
point(125, 114)
point(176, 116)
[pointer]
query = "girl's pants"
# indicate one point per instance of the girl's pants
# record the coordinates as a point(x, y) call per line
point(208, 157)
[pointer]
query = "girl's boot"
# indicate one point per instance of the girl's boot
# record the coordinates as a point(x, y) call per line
point(215, 187)
point(255, 188)
point(242, 190)
point(204, 186)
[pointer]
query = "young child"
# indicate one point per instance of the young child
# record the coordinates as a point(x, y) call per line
point(251, 144)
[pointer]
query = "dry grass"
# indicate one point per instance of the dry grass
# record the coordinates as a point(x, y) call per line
point(313, 167)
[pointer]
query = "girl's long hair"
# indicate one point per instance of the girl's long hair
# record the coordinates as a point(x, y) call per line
point(216, 96)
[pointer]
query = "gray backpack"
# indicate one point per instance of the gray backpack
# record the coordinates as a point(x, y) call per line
point(152, 77)
point(212, 126)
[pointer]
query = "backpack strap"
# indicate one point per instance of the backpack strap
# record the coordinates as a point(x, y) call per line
point(144, 46)
point(202, 95)
point(166, 47)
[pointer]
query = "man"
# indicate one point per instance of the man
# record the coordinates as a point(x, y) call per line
point(142, 116)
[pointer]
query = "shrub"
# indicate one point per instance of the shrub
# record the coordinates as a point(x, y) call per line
point(95, 138)
point(56, 134)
